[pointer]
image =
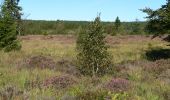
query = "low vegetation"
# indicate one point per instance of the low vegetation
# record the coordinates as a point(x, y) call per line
point(136, 76)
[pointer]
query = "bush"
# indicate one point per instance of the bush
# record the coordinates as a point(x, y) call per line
point(93, 58)
point(41, 62)
point(15, 46)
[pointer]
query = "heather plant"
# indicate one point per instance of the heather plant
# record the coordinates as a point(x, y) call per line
point(118, 85)
point(158, 67)
point(10, 93)
point(93, 57)
point(41, 62)
point(59, 82)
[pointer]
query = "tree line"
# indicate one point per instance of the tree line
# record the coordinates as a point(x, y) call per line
point(40, 27)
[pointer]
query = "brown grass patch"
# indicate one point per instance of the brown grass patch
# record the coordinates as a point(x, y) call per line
point(129, 38)
point(64, 39)
point(157, 67)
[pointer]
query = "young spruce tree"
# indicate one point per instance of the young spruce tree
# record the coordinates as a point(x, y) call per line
point(117, 24)
point(93, 57)
point(9, 27)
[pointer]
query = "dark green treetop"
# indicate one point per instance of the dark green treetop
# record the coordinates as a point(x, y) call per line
point(117, 23)
point(158, 20)
point(9, 27)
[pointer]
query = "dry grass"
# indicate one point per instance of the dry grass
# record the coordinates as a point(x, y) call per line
point(60, 48)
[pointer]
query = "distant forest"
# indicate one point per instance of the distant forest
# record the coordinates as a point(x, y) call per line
point(40, 27)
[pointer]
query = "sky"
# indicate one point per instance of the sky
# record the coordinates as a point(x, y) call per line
point(87, 10)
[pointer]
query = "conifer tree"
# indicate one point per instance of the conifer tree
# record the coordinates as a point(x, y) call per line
point(158, 20)
point(117, 23)
point(9, 25)
point(93, 57)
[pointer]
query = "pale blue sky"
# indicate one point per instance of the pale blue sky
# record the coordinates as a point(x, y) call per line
point(127, 10)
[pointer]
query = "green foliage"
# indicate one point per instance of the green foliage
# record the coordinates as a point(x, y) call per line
point(119, 96)
point(117, 26)
point(35, 27)
point(92, 95)
point(158, 20)
point(117, 23)
point(93, 58)
point(103, 95)
point(9, 26)
point(51, 27)
point(144, 84)
point(136, 29)
point(109, 28)
point(147, 92)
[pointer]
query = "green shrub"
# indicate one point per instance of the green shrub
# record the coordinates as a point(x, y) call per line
point(93, 57)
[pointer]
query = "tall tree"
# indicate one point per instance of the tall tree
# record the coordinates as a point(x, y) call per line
point(158, 20)
point(93, 57)
point(9, 25)
point(117, 23)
